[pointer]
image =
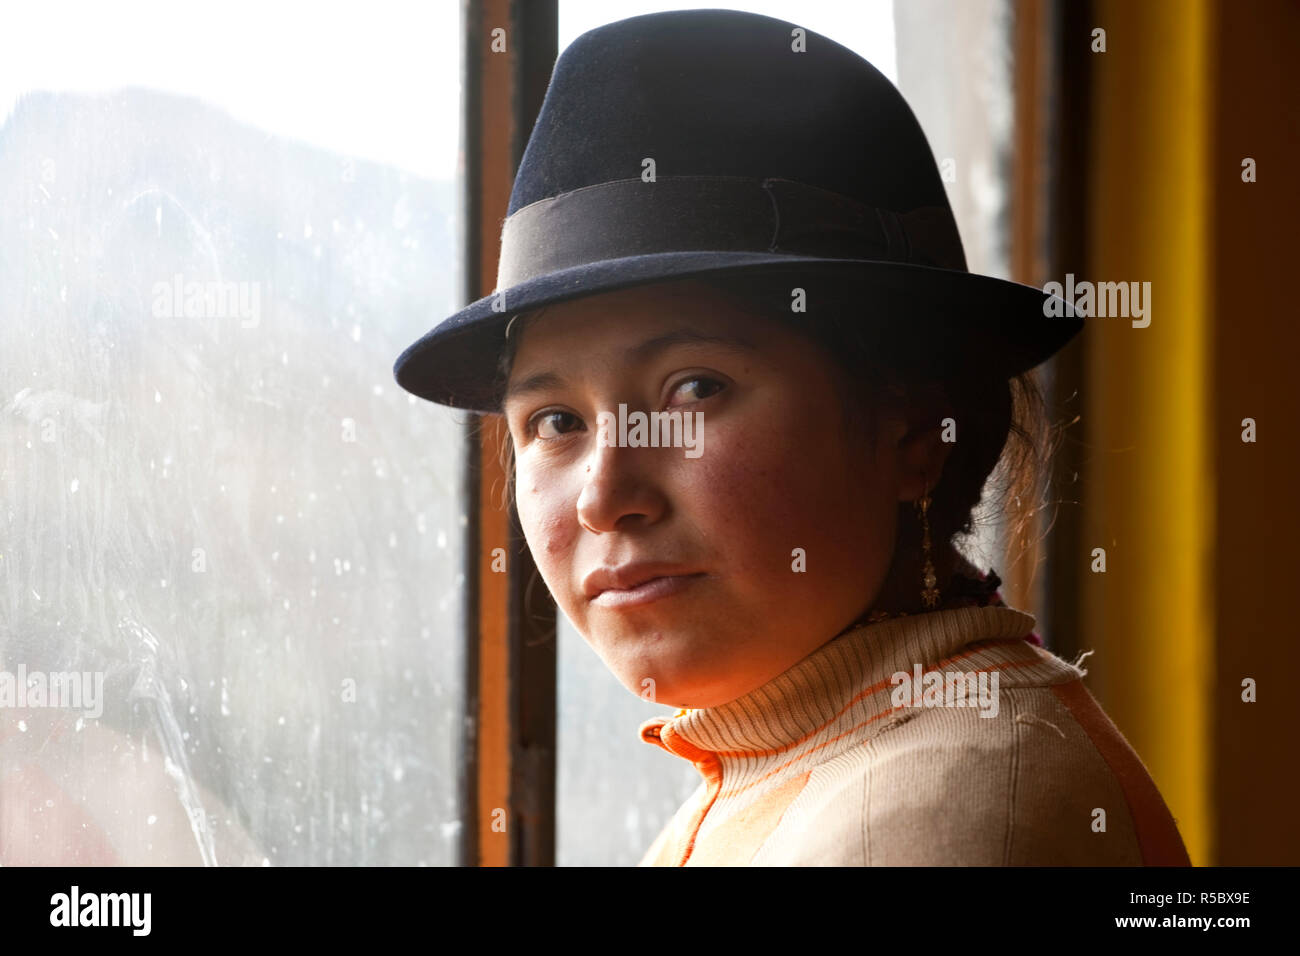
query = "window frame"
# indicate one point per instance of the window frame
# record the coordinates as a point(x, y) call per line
point(508, 744)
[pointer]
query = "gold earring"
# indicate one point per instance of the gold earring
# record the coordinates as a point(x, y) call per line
point(929, 592)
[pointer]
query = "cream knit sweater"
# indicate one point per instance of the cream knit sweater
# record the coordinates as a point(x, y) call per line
point(838, 762)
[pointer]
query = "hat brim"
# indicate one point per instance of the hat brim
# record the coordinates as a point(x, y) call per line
point(932, 320)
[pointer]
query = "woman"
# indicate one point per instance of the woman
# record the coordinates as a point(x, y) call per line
point(752, 395)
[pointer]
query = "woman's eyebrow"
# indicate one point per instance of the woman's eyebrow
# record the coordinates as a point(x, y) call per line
point(639, 353)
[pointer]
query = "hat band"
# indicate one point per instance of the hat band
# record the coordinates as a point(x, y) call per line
point(630, 217)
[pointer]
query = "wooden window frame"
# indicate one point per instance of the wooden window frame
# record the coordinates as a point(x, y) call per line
point(507, 769)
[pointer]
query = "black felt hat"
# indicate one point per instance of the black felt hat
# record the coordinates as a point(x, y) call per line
point(735, 147)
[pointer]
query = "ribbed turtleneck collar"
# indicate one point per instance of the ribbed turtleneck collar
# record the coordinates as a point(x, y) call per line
point(839, 697)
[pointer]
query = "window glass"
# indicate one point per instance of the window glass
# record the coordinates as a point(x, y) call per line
point(230, 545)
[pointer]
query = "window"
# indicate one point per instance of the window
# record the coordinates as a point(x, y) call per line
point(223, 522)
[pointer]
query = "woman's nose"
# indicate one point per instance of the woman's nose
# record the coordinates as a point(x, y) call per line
point(619, 489)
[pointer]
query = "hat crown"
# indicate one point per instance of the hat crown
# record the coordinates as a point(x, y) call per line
point(776, 154)
point(725, 93)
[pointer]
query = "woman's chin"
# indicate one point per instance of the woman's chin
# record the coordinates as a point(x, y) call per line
point(661, 665)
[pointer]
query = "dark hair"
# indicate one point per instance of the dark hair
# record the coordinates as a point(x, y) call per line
point(1001, 423)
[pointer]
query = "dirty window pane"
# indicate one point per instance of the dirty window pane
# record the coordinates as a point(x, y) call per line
point(221, 521)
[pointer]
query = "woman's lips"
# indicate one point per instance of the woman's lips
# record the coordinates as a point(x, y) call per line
point(648, 591)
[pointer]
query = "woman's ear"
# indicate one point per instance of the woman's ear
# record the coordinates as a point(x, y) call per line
point(924, 445)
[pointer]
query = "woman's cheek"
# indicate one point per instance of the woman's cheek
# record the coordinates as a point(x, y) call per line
point(749, 492)
point(548, 520)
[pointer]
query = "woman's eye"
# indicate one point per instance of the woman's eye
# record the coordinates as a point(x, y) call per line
point(554, 423)
point(697, 388)
point(540, 424)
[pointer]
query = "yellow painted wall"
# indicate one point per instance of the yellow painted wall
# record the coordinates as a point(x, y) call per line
point(1149, 478)
point(1199, 527)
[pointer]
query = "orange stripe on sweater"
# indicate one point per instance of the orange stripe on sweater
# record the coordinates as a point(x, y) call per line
point(737, 840)
point(1157, 833)
point(713, 776)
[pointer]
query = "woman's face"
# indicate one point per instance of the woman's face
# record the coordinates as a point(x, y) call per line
point(766, 538)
